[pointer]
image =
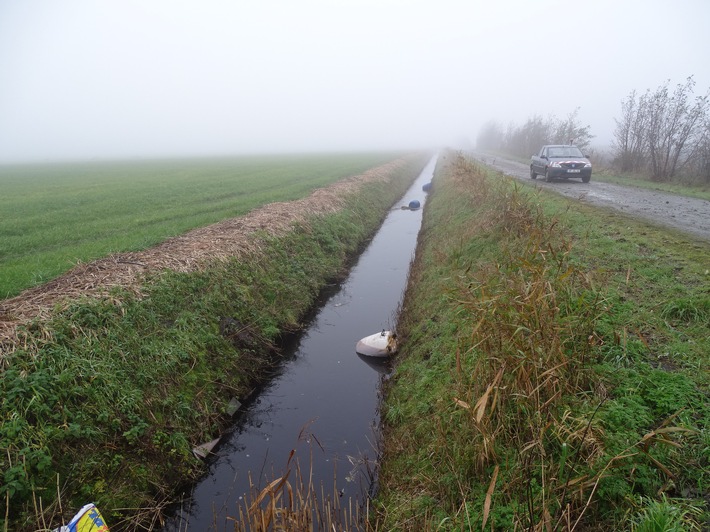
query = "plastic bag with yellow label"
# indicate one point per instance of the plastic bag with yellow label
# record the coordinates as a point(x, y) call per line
point(88, 519)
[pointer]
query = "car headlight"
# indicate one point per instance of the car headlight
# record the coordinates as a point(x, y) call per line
point(587, 165)
point(555, 165)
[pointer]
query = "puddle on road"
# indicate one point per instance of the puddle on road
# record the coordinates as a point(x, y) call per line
point(325, 401)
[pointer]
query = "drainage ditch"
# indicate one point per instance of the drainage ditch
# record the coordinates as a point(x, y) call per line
point(324, 401)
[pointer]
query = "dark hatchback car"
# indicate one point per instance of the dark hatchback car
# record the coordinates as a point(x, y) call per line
point(560, 162)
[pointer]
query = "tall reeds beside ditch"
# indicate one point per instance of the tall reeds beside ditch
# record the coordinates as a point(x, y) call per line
point(524, 359)
point(502, 413)
point(292, 502)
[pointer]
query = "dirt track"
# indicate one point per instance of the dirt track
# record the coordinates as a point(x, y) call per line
point(689, 215)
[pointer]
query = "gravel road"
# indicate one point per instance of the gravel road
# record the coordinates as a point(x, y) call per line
point(689, 215)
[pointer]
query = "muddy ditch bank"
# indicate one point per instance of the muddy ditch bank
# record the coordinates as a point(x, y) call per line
point(103, 398)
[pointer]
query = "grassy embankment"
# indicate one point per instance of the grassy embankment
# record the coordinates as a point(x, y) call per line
point(119, 390)
point(553, 372)
point(52, 216)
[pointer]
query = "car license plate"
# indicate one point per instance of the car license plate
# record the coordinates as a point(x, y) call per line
point(573, 171)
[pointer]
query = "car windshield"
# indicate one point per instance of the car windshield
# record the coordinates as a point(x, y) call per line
point(565, 151)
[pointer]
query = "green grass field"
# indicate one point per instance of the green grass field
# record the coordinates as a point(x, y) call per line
point(53, 216)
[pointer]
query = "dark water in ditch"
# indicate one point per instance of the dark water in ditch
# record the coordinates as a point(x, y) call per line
point(324, 403)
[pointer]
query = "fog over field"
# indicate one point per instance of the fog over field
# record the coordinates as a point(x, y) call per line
point(144, 78)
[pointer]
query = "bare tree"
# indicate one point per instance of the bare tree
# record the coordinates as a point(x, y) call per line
point(662, 132)
point(699, 165)
point(526, 139)
point(629, 143)
point(570, 131)
point(533, 134)
point(490, 137)
point(673, 127)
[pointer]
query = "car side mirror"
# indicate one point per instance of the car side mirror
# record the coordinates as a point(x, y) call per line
point(543, 156)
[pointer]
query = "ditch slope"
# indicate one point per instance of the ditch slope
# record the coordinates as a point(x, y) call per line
point(550, 371)
point(113, 373)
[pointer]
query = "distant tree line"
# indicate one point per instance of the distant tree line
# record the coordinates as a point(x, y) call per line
point(526, 139)
point(664, 135)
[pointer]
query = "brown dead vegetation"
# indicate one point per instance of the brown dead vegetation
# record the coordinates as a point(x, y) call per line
point(189, 252)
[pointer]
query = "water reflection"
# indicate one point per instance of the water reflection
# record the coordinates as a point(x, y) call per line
point(380, 365)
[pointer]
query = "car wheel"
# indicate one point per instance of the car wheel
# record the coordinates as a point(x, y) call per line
point(533, 175)
point(586, 179)
point(548, 177)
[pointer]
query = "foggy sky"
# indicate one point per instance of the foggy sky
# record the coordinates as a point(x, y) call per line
point(142, 78)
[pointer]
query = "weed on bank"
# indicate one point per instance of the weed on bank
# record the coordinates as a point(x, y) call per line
point(107, 399)
point(553, 369)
